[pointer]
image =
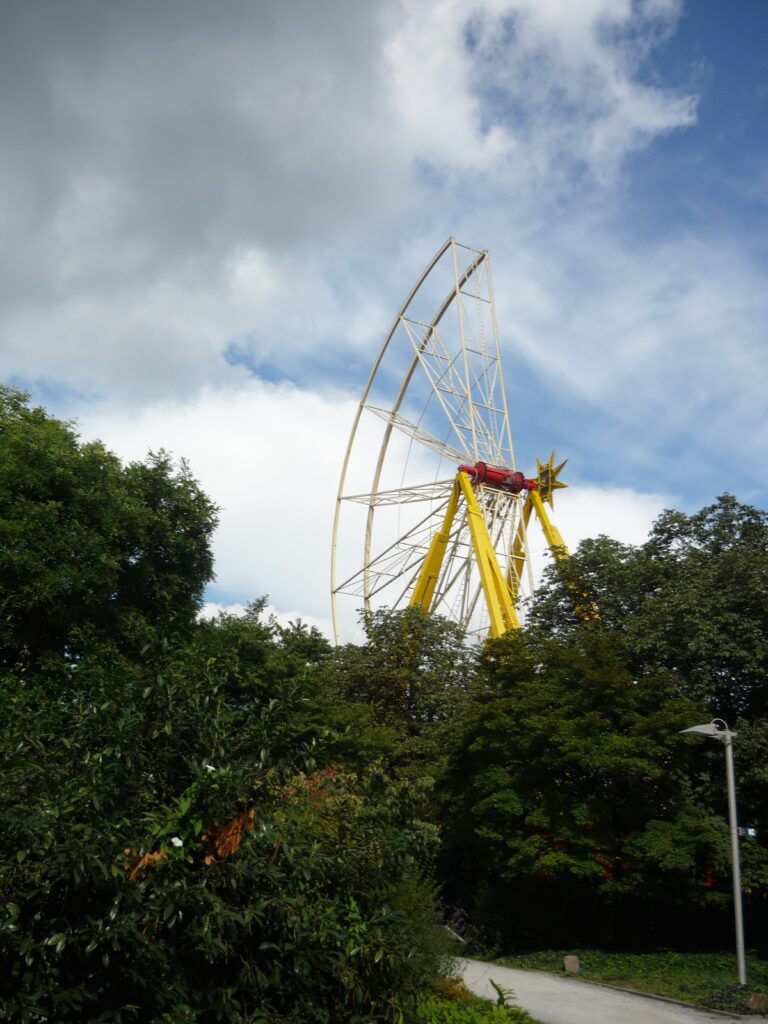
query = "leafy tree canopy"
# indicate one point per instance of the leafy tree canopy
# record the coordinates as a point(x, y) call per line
point(401, 694)
point(90, 548)
point(174, 848)
point(176, 841)
point(569, 796)
point(692, 600)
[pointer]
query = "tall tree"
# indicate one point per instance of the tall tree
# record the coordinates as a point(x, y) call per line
point(401, 694)
point(693, 599)
point(569, 802)
point(89, 548)
point(174, 844)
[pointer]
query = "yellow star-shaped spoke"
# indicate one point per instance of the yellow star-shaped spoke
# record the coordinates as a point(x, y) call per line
point(546, 477)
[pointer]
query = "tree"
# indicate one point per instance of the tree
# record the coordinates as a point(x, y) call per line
point(401, 694)
point(175, 843)
point(90, 549)
point(691, 600)
point(571, 814)
point(172, 850)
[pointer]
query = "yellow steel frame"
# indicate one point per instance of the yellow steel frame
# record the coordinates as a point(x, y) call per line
point(424, 590)
point(500, 593)
point(551, 533)
point(498, 599)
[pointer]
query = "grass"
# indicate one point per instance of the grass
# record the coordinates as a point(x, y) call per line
point(704, 979)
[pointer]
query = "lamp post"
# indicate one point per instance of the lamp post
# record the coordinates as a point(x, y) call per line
point(718, 729)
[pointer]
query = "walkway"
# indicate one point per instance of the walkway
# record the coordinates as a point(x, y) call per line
point(554, 1000)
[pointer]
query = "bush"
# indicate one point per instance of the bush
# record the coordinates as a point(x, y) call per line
point(171, 853)
point(434, 1010)
point(172, 848)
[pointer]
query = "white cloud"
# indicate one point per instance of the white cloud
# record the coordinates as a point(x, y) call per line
point(212, 609)
point(570, 76)
point(665, 339)
point(622, 513)
point(269, 456)
point(249, 175)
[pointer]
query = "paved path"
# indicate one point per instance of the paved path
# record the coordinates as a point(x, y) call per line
point(554, 1000)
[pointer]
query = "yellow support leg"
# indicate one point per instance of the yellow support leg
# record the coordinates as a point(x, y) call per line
point(424, 590)
point(588, 610)
point(517, 561)
point(501, 608)
point(551, 532)
point(500, 593)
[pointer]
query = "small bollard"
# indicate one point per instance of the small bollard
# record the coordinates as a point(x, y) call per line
point(572, 964)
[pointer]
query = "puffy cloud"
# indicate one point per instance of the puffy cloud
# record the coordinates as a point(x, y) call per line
point(177, 180)
point(212, 609)
point(570, 78)
point(269, 456)
point(619, 512)
point(663, 339)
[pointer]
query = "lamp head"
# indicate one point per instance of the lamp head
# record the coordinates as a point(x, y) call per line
point(717, 728)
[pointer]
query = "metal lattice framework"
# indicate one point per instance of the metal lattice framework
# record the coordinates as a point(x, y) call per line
point(398, 488)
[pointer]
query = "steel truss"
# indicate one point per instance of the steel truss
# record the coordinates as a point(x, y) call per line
point(428, 536)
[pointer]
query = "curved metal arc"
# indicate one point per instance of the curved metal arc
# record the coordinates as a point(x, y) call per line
point(356, 423)
point(447, 302)
point(500, 367)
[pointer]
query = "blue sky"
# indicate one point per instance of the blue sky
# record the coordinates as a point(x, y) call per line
point(210, 217)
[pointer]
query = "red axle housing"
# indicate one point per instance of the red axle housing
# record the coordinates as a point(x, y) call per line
point(502, 479)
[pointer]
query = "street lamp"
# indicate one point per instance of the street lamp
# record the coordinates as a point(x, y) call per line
point(719, 730)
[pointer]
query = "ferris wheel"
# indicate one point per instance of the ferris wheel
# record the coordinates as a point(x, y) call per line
point(431, 507)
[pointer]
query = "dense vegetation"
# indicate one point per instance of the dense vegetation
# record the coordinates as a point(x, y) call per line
point(593, 821)
point(176, 842)
point(231, 821)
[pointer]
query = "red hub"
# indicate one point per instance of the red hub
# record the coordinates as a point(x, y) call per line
point(502, 479)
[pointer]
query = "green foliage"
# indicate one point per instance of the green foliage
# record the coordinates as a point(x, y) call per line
point(569, 796)
point(401, 695)
point(90, 549)
point(228, 820)
point(691, 599)
point(690, 603)
point(175, 842)
point(165, 845)
point(504, 996)
point(433, 1010)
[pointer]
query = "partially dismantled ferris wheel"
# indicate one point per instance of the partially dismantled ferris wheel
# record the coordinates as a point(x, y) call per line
point(431, 508)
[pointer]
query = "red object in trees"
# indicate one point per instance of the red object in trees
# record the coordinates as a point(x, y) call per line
point(605, 864)
point(494, 476)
